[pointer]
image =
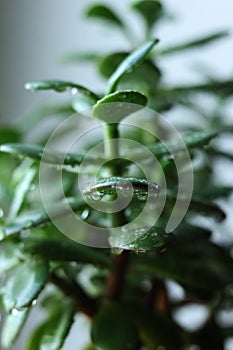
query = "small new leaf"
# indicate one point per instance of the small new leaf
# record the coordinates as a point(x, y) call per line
point(130, 62)
point(150, 11)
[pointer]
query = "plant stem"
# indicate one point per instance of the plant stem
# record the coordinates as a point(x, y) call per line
point(85, 304)
point(115, 281)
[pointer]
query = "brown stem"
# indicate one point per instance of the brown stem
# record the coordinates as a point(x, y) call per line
point(158, 298)
point(115, 281)
point(85, 304)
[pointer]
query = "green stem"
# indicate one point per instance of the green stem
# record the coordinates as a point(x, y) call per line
point(115, 281)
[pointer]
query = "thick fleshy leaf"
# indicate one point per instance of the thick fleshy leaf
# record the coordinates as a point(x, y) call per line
point(25, 284)
point(155, 327)
point(40, 216)
point(187, 262)
point(113, 329)
point(22, 181)
point(144, 77)
point(192, 140)
point(12, 327)
point(60, 86)
point(140, 188)
point(36, 152)
point(150, 10)
point(116, 106)
point(194, 43)
point(51, 334)
point(141, 240)
point(74, 57)
point(64, 249)
point(8, 134)
point(129, 63)
point(103, 12)
point(217, 87)
point(9, 257)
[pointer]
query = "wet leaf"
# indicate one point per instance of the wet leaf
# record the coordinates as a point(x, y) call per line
point(38, 153)
point(35, 218)
point(51, 334)
point(113, 329)
point(124, 103)
point(144, 77)
point(192, 140)
point(9, 257)
point(103, 12)
point(12, 327)
point(141, 240)
point(23, 178)
point(64, 249)
point(25, 284)
point(151, 11)
point(130, 62)
point(141, 188)
point(60, 86)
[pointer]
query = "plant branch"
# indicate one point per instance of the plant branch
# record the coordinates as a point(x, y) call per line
point(85, 304)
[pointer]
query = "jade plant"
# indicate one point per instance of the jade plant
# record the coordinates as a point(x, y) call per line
point(117, 270)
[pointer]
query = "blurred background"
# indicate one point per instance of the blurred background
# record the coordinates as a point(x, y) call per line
point(34, 37)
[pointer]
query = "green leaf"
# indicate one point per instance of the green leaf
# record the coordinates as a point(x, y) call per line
point(113, 329)
point(129, 63)
point(192, 140)
point(141, 188)
point(103, 12)
point(12, 327)
point(64, 249)
point(194, 263)
point(141, 240)
point(84, 57)
point(60, 86)
point(217, 87)
point(38, 153)
point(150, 11)
point(154, 329)
point(144, 77)
point(8, 134)
point(25, 284)
point(40, 216)
point(9, 257)
point(121, 108)
point(194, 43)
point(22, 178)
point(207, 208)
point(52, 333)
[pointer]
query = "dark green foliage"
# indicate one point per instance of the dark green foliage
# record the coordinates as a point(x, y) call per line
point(122, 289)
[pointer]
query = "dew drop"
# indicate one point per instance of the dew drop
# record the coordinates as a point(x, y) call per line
point(96, 196)
point(25, 234)
point(33, 187)
point(74, 91)
point(85, 214)
point(1, 213)
point(34, 302)
point(117, 251)
point(141, 252)
point(14, 312)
